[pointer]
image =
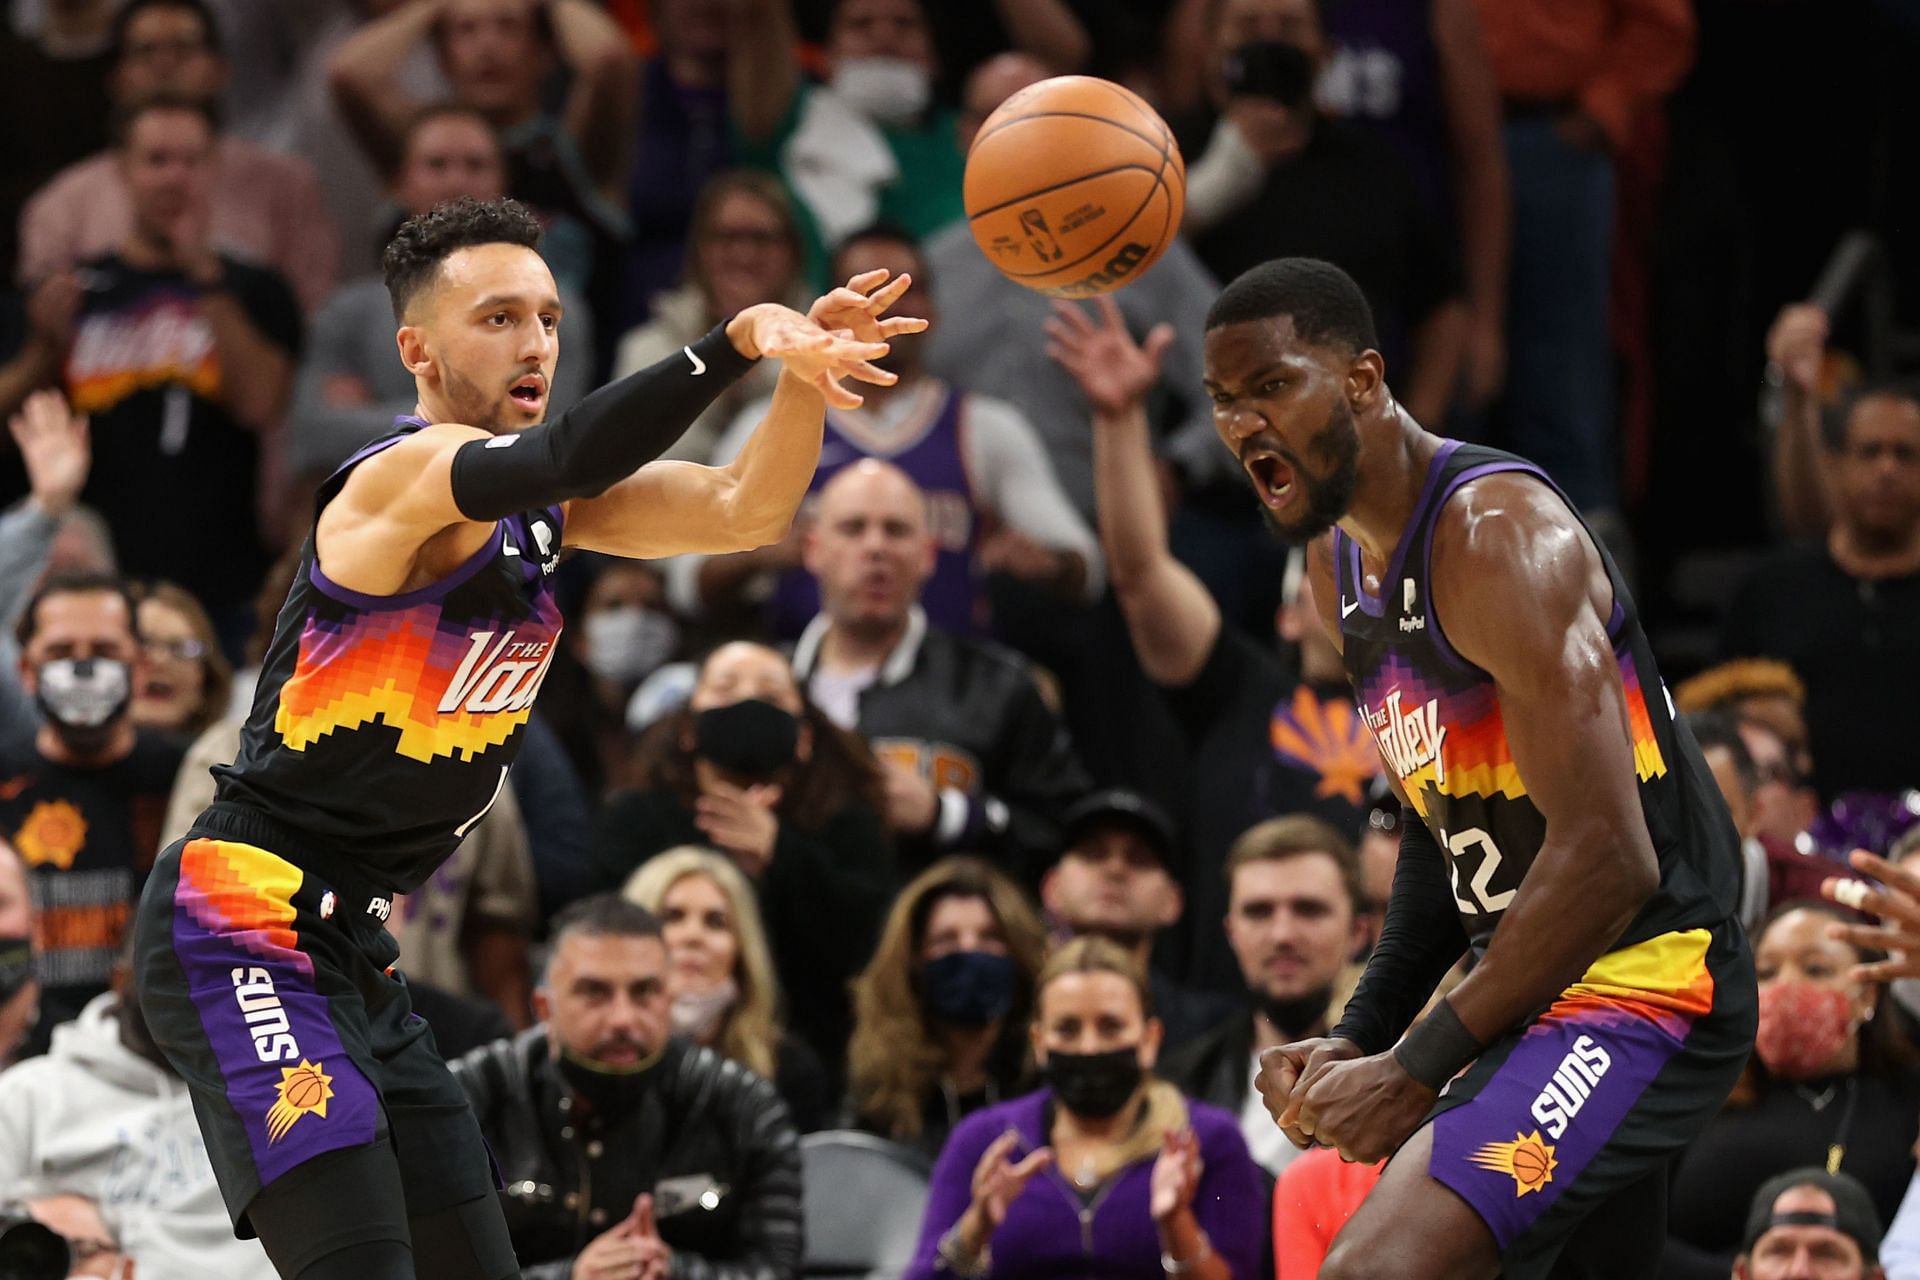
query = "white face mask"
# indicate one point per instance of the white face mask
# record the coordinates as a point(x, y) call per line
point(626, 643)
point(888, 91)
point(697, 1015)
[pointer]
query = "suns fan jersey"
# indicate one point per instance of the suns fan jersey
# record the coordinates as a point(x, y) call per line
point(1437, 720)
point(383, 726)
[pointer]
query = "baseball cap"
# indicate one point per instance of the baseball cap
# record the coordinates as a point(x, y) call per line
point(1853, 1215)
point(1121, 807)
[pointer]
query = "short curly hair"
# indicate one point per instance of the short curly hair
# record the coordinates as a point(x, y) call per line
point(1326, 306)
point(1723, 687)
point(426, 240)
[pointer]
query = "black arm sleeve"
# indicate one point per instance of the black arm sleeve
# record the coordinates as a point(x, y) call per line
point(1419, 941)
point(601, 440)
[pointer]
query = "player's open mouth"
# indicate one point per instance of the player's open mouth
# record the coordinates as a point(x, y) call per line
point(1272, 478)
point(529, 391)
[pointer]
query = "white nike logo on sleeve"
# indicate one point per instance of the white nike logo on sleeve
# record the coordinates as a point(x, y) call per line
point(699, 365)
point(1346, 608)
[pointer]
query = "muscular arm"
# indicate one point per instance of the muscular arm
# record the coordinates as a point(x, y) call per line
point(1503, 540)
point(1172, 619)
point(602, 104)
point(673, 508)
point(365, 78)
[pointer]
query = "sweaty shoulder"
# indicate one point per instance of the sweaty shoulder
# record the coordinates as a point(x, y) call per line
point(1510, 559)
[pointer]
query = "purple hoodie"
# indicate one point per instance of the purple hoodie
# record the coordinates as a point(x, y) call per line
point(1052, 1234)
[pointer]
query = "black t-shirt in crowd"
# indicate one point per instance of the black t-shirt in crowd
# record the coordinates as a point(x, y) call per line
point(1264, 746)
point(88, 837)
point(1856, 644)
point(56, 110)
point(1346, 197)
point(173, 473)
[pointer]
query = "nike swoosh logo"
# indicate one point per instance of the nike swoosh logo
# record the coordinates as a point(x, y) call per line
point(1346, 608)
point(699, 365)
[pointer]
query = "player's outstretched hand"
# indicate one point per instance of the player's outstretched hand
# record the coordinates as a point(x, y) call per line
point(1113, 370)
point(1363, 1108)
point(860, 307)
point(1282, 1070)
point(820, 357)
point(1896, 904)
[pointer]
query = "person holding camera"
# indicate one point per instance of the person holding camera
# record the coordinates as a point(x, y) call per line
point(750, 767)
point(1276, 178)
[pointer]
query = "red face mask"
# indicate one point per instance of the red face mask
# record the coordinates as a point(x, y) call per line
point(1802, 1026)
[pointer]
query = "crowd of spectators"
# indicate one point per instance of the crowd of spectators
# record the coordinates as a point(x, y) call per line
point(1006, 809)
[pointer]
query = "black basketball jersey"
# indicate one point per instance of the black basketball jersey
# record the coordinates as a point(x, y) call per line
point(1437, 720)
point(383, 726)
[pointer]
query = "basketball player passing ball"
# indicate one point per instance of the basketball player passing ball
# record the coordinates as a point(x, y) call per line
point(393, 697)
point(1559, 822)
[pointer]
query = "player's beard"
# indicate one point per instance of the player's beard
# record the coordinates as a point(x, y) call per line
point(476, 407)
point(1336, 446)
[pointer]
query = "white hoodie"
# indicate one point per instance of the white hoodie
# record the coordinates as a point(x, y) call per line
point(93, 1118)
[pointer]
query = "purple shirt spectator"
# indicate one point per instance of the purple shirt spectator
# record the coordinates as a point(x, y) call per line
point(1045, 1236)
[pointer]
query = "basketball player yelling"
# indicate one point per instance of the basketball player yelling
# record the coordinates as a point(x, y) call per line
point(1559, 824)
point(401, 673)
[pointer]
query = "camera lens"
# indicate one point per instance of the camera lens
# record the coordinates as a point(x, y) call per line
point(28, 1251)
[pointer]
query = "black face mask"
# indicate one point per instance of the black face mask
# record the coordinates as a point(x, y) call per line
point(749, 738)
point(609, 1090)
point(1270, 69)
point(1294, 1016)
point(1094, 1085)
point(968, 988)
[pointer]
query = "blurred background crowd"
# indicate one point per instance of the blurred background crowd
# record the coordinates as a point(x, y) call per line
point(949, 862)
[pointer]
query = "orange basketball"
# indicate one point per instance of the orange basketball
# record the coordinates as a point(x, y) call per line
point(1074, 186)
point(304, 1090)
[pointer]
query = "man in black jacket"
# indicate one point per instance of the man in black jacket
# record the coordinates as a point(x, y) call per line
point(1295, 925)
point(975, 757)
point(626, 1152)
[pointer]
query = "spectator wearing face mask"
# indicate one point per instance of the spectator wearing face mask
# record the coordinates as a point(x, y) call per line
point(620, 631)
point(720, 974)
point(1831, 1084)
point(941, 1011)
point(1106, 1171)
point(82, 799)
point(751, 768)
point(866, 146)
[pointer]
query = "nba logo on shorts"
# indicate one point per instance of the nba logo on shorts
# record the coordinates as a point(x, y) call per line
point(326, 905)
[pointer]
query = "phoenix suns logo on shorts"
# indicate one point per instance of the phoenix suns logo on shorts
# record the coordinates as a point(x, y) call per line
point(304, 1090)
point(1528, 1160)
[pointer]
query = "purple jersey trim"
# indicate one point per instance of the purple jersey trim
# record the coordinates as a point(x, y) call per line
point(419, 595)
point(1438, 633)
point(1376, 606)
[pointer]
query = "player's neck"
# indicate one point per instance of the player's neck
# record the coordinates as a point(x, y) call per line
point(1392, 470)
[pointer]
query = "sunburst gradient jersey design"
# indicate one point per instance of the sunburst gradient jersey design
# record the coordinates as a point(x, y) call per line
point(384, 725)
point(1438, 722)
